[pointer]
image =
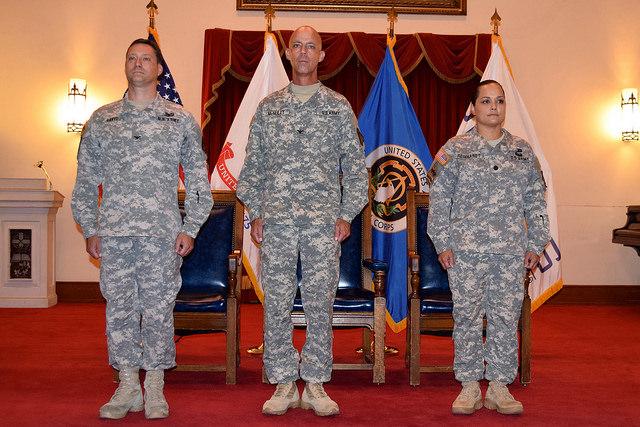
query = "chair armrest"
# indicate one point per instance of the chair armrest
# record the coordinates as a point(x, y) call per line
point(414, 271)
point(375, 265)
point(379, 269)
point(232, 273)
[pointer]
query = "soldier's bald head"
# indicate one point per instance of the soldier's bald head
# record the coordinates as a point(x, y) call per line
point(306, 30)
point(304, 53)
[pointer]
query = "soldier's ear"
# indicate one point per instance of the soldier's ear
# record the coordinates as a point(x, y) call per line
point(160, 70)
point(321, 56)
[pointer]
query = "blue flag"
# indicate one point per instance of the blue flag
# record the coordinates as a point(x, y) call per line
point(399, 158)
point(166, 85)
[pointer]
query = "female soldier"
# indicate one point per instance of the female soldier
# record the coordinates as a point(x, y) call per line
point(487, 215)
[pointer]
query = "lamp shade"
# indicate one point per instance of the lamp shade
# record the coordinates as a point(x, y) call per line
point(76, 105)
point(630, 115)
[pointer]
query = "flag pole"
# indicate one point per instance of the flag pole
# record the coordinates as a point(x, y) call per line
point(496, 21)
point(152, 10)
point(392, 17)
point(269, 14)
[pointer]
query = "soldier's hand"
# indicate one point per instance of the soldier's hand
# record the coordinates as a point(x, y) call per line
point(257, 227)
point(447, 259)
point(343, 230)
point(94, 246)
point(184, 244)
point(531, 260)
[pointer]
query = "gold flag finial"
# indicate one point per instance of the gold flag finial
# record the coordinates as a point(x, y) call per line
point(152, 10)
point(269, 14)
point(392, 17)
point(496, 21)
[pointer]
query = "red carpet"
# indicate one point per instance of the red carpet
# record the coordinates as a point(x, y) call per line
point(586, 371)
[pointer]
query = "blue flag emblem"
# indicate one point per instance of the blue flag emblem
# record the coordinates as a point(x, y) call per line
point(398, 157)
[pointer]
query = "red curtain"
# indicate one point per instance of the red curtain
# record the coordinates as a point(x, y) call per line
point(440, 72)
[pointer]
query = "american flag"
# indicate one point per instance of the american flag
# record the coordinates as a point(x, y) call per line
point(166, 85)
point(167, 90)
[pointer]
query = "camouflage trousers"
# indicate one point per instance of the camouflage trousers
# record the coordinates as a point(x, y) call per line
point(319, 255)
point(486, 285)
point(140, 278)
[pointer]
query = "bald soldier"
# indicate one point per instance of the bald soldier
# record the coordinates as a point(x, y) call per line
point(133, 147)
point(302, 139)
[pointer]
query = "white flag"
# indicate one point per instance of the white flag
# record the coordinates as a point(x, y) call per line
point(268, 77)
point(548, 275)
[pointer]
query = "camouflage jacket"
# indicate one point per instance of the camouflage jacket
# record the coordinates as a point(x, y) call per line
point(135, 155)
point(295, 153)
point(488, 200)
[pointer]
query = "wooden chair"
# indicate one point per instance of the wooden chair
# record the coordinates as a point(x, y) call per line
point(430, 304)
point(360, 300)
point(211, 276)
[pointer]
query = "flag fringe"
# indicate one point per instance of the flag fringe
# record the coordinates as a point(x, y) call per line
point(396, 326)
point(252, 277)
point(548, 293)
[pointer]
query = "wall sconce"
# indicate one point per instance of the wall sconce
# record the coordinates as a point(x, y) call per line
point(77, 99)
point(630, 115)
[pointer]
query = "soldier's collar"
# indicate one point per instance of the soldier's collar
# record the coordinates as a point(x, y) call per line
point(128, 106)
point(294, 98)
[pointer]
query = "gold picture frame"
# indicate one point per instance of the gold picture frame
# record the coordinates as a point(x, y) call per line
point(431, 7)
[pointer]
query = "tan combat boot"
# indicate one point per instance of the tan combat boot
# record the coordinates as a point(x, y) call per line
point(155, 405)
point(314, 397)
point(286, 396)
point(469, 399)
point(127, 397)
point(498, 397)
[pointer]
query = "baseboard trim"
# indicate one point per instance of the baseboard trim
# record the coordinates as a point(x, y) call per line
point(596, 295)
point(79, 292)
point(89, 292)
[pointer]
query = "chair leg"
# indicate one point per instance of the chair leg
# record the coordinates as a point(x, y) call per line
point(366, 345)
point(414, 342)
point(232, 340)
point(379, 335)
point(407, 341)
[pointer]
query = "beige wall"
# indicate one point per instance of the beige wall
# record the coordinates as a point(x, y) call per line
point(570, 59)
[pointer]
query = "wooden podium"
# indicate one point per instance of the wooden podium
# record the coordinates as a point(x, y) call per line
point(27, 235)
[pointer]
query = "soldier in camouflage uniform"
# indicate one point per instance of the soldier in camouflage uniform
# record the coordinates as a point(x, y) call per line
point(133, 147)
point(487, 215)
point(301, 138)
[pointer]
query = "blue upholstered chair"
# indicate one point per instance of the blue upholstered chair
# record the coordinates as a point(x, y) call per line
point(360, 299)
point(430, 304)
point(211, 276)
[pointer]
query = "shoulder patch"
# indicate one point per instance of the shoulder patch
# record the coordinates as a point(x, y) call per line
point(539, 169)
point(431, 176)
point(360, 137)
point(84, 131)
point(442, 157)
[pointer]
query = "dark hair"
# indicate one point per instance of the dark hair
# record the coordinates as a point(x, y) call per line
point(476, 93)
point(153, 45)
